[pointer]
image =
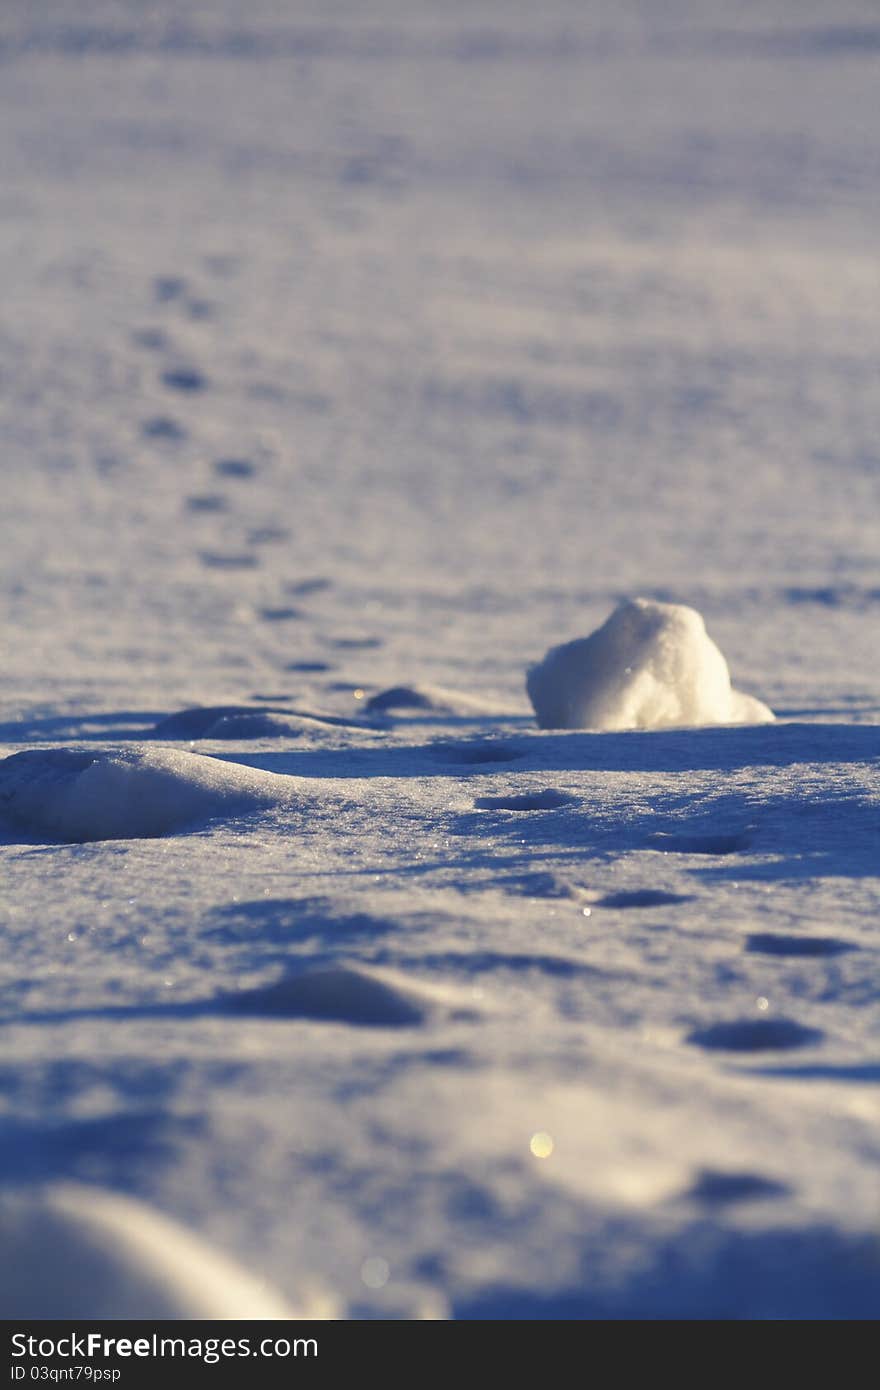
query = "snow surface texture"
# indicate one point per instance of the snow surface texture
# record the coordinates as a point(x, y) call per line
point(650, 666)
point(353, 355)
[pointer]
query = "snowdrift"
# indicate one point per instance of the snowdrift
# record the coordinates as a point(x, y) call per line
point(73, 1252)
point(73, 795)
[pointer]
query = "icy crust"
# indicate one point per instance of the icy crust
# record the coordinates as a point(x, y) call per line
point(72, 1251)
point(73, 795)
point(650, 666)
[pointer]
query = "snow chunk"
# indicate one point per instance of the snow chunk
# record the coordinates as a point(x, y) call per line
point(75, 1252)
point(650, 666)
point(73, 795)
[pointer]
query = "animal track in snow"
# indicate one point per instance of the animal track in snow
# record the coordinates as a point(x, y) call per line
point(668, 842)
point(281, 615)
point(153, 339)
point(755, 1035)
point(235, 468)
point(163, 429)
point(207, 502)
point(169, 287)
point(476, 754)
point(216, 560)
point(642, 897)
point(356, 644)
point(548, 800)
point(776, 944)
point(187, 379)
point(316, 585)
point(267, 535)
point(714, 1188)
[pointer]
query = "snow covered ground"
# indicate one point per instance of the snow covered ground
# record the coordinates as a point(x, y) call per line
point(354, 346)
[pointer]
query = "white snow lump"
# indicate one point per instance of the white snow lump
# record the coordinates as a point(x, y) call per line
point(650, 666)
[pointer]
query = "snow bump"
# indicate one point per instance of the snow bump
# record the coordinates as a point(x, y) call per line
point(69, 795)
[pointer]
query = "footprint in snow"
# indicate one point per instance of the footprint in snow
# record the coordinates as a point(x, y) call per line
point(476, 754)
point(548, 800)
point(168, 287)
point(714, 1188)
point(670, 843)
point(235, 468)
point(153, 339)
point(642, 897)
point(315, 585)
point(207, 502)
point(776, 944)
point(215, 560)
point(755, 1035)
point(164, 430)
point(282, 615)
point(186, 379)
point(356, 644)
point(267, 535)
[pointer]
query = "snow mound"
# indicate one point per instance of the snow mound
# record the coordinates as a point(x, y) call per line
point(73, 795)
point(76, 1252)
point(421, 699)
point(348, 994)
point(201, 721)
point(650, 666)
